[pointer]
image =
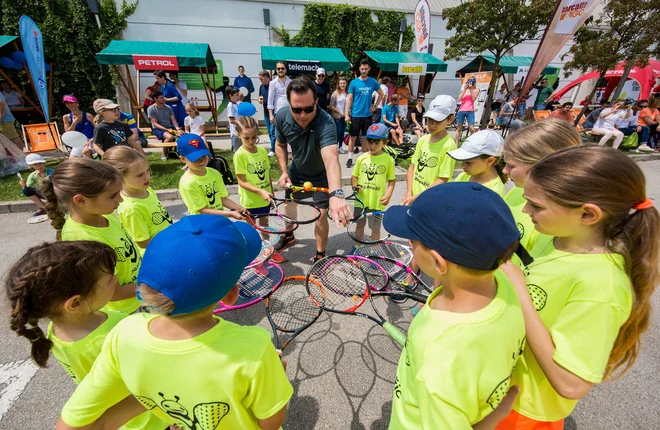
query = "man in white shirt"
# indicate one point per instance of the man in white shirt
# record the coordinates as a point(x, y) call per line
point(12, 98)
point(375, 97)
point(277, 91)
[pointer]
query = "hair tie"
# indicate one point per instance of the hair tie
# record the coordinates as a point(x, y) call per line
point(646, 204)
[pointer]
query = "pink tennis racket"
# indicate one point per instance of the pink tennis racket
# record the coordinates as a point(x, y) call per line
point(254, 285)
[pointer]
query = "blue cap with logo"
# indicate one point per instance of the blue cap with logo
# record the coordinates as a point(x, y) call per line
point(192, 147)
point(195, 262)
point(378, 131)
point(464, 222)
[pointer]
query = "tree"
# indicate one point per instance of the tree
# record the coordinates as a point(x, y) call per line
point(624, 31)
point(350, 28)
point(71, 40)
point(494, 26)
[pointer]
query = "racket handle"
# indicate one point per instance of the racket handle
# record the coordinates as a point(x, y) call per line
point(395, 333)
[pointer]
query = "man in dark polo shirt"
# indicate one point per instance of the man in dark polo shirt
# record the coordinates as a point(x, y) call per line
point(312, 134)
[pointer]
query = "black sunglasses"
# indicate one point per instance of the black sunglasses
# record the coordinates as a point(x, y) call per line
point(281, 68)
point(306, 109)
point(321, 76)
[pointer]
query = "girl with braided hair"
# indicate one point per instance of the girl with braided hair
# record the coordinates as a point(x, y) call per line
point(69, 283)
point(81, 196)
point(141, 213)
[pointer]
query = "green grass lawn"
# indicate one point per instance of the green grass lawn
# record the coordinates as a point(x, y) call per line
point(164, 174)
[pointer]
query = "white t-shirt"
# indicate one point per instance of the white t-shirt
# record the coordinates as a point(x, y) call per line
point(196, 124)
point(499, 96)
point(12, 98)
point(631, 121)
point(232, 111)
point(183, 86)
point(374, 96)
point(610, 120)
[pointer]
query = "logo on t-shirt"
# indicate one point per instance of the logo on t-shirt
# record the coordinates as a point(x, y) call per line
point(206, 416)
point(210, 190)
point(257, 169)
point(118, 136)
point(538, 295)
point(426, 161)
point(372, 170)
point(160, 217)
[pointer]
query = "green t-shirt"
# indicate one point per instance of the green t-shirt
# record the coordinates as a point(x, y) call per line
point(432, 162)
point(143, 218)
point(373, 173)
point(225, 378)
point(256, 168)
point(543, 94)
point(199, 192)
point(528, 234)
point(583, 300)
point(494, 184)
point(128, 256)
point(34, 180)
point(455, 368)
point(77, 358)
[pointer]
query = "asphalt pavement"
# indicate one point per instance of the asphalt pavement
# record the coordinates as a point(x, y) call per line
point(342, 368)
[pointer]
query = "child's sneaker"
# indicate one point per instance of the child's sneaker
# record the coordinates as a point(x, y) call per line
point(40, 212)
point(286, 240)
point(277, 258)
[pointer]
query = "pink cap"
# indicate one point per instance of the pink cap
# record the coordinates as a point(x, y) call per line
point(71, 99)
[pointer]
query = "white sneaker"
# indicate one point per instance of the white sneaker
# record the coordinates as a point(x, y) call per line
point(163, 158)
point(645, 148)
point(342, 151)
point(271, 154)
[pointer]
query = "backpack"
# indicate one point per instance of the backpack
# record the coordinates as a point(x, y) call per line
point(219, 163)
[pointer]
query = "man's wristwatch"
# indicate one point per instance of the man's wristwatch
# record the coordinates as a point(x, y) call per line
point(339, 193)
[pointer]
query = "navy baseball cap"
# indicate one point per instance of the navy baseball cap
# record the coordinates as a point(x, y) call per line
point(465, 222)
point(195, 262)
point(378, 131)
point(192, 147)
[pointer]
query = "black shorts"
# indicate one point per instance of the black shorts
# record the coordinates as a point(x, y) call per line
point(360, 125)
point(321, 200)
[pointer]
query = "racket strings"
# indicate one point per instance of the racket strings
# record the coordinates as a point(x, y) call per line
point(290, 307)
point(341, 284)
point(377, 277)
point(297, 212)
point(272, 224)
point(257, 282)
point(368, 228)
point(393, 251)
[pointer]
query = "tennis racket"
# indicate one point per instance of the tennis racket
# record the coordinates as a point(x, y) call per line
point(297, 189)
point(379, 281)
point(290, 310)
point(355, 205)
point(400, 274)
point(395, 251)
point(266, 252)
point(270, 223)
point(254, 285)
point(368, 228)
point(342, 287)
point(296, 212)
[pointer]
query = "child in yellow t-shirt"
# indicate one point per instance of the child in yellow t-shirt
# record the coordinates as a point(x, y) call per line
point(521, 150)
point(462, 345)
point(373, 173)
point(90, 190)
point(586, 296)
point(141, 213)
point(68, 283)
point(202, 189)
point(481, 155)
point(185, 365)
point(430, 164)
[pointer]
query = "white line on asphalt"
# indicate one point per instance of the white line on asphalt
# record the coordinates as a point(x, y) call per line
point(15, 376)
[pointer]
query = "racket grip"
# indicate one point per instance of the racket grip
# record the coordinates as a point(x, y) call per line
point(395, 333)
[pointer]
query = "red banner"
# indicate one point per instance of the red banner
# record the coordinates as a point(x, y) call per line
point(155, 62)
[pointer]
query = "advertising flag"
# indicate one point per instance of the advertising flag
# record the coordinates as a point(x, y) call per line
point(33, 45)
point(422, 26)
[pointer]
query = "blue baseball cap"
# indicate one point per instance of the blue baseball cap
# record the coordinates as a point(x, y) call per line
point(378, 131)
point(195, 262)
point(465, 222)
point(192, 147)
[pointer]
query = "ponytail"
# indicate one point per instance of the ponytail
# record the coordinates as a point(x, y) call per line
point(575, 176)
point(498, 165)
point(44, 278)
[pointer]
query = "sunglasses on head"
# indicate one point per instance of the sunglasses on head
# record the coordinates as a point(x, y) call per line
point(306, 109)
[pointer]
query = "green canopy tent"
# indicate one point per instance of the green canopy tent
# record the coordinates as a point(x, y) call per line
point(508, 63)
point(397, 62)
point(168, 56)
point(329, 58)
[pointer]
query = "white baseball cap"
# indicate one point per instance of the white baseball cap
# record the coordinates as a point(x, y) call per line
point(441, 107)
point(34, 159)
point(484, 142)
point(320, 71)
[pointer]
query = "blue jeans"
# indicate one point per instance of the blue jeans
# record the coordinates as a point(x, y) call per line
point(271, 130)
point(643, 134)
point(520, 109)
point(341, 128)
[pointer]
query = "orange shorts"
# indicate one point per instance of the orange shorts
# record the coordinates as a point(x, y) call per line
point(515, 421)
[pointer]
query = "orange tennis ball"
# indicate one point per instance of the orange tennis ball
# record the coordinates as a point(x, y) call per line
point(307, 186)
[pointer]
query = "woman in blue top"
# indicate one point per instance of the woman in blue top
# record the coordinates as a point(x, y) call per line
point(172, 96)
point(76, 120)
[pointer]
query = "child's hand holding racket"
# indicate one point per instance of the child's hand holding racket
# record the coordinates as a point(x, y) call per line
point(265, 195)
point(238, 214)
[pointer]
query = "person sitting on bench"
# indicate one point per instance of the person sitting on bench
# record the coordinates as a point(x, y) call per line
point(163, 122)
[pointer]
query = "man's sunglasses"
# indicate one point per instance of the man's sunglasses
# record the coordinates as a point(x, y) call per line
point(321, 76)
point(281, 68)
point(642, 107)
point(306, 109)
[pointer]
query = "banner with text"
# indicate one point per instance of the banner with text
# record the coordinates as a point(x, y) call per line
point(422, 26)
point(33, 45)
point(300, 67)
point(155, 62)
point(412, 69)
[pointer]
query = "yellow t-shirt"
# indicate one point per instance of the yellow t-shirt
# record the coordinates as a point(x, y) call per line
point(77, 358)
point(583, 300)
point(143, 218)
point(494, 184)
point(373, 173)
point(225, 378)
point(455, 367)
point(516, 202)
point(432, 162)
point(128, 256)
point(256, 168)
point(199, 192)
